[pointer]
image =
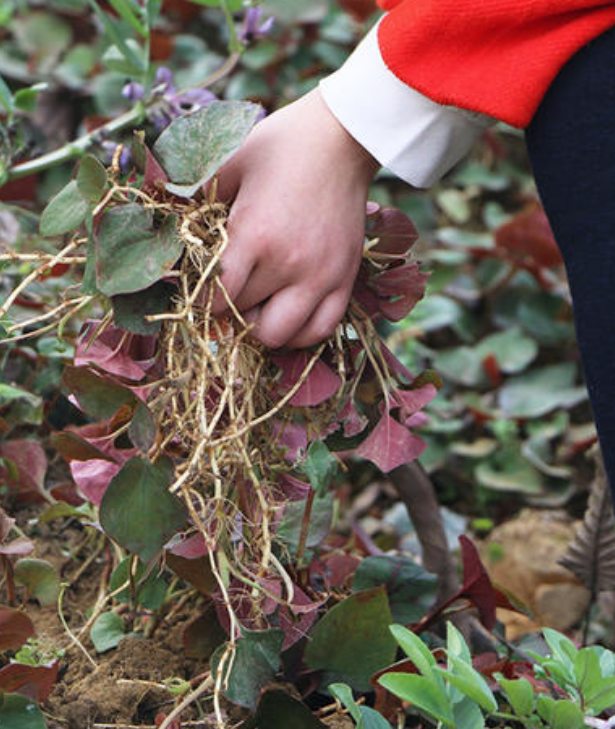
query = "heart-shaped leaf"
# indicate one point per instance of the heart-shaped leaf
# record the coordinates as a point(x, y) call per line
point(138, 511)
point(132, 252)
point(193, 148)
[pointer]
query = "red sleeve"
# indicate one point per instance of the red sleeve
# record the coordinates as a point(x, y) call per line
point(497, 57)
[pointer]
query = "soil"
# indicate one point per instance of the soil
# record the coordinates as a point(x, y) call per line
point(125, 689)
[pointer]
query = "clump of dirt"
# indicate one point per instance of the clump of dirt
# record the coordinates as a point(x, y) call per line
point(123, 689)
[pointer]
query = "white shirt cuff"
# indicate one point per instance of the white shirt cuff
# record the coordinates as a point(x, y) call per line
point(416, 138)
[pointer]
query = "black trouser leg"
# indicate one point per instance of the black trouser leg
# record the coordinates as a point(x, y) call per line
point(572, 146)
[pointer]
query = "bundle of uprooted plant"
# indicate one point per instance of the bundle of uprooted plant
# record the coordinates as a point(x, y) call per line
point(200, 437)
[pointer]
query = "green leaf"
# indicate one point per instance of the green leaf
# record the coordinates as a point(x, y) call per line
point(233, 5)
point(587, 669)
point(256, 662)
point(320, 466)
point(298, 11)
point(126, 10)
point(23, 407)
point(371, 719)
point(131, 253)
point(513, 350)
point(410, 588)
point(456, 645)
point(364, 717)
point(98, 396)
point(119, 36)
point(107, 632)
point(415, 649)
point(544, 707)
point(519, 693)
point(601, 696)
point(116, 60)
point(91, 178)
point(321, 519)
point(40, 579)
point(25, 99)
point(278, 710)
point(352, 641)
point(507, 470)
point(151, 588)
point(561, 647)
point(42, 34)
point(18, 712)
point(424, 693)
point(538, 392)
point(88, 282)
point(566, 715)
point(468, 715)
point(193, 148)
point(130, 310)
point(138, 511)
point(65, 212)
point(343, 694)
point(469, 681)
point(142, 431)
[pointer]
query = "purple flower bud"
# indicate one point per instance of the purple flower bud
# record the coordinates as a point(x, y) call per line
point(194, 99)
point(163, 80)
point(133, 91)
point(253, 28)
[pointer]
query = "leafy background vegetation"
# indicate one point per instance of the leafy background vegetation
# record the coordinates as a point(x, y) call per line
point(95, 632)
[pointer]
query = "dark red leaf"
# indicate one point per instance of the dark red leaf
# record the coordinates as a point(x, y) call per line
point(492, 370)
point(528, 237)
point(35, 682)
point(6, 524)
point(30, 463)
point(396, 232)
point(15, 629)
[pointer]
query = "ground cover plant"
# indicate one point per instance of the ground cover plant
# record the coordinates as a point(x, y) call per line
point(187, 529)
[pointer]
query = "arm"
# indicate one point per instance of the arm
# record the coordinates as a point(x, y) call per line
point(300, 182)
point(497, 57)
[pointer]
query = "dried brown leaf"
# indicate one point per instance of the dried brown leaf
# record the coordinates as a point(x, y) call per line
point(591, 555)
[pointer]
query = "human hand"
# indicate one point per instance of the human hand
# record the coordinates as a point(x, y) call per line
point(299, 187)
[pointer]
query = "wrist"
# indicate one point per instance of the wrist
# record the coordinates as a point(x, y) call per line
point(343, 147)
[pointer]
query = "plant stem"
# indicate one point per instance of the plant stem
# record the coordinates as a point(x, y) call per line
point(305, 526)
point(235, 45)
point(75, 148)
point(79, 146)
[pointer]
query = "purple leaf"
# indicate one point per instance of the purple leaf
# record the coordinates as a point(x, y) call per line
point(30, 463)
point(115, 351)
point(292, 488)
point(390, 444)
point(191, 548)
point(18, 547)
point(93, 477)
point(353, 422)
point(411, 401)
point(319, 385)
point(291, 436)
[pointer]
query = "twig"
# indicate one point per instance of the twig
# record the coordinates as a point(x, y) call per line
point(40, 257)
point(207, 685)
point(33, 275)
point(74, 639)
